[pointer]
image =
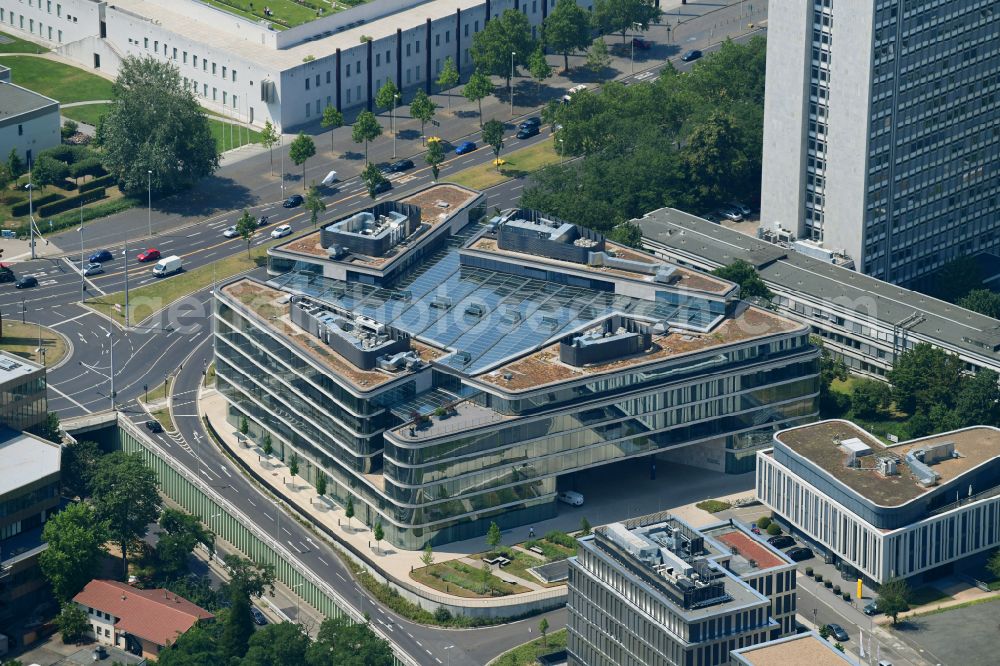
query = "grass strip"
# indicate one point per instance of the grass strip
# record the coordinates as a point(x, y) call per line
point(57, 80)
point(163, 416)
point(88, 113)
point(22, 340)
point(18, 45)
point(518, 164)
point(528, 654)
point(713, 506)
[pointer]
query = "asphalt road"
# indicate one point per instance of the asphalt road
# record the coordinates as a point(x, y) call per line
point(179, 343)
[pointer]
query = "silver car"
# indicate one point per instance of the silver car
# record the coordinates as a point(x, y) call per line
point(230, 232)
point(93, 269)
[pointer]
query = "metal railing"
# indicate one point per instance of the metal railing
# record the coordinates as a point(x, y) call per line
point(244, 534)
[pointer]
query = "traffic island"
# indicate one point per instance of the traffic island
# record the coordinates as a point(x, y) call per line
point(38, 344)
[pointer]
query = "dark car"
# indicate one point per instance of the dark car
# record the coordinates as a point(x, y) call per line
point(150, 254)
point(691, 55)
point(465, 147)
point(101, 256)
point(527, 132)
point(871, 609)
point(258, 617)
point(781, 541)
point(26, 281)
point(838, 632)
point(293, 201)
point(153, 426)
point(401, 165)
point(7, 275)
point(642, 44)
point(382, 186)
point(799, 554)
point(262, 222)
point(534, 121)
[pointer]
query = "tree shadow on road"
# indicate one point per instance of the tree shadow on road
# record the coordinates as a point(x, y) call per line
point(352, 155)
point(210, 196)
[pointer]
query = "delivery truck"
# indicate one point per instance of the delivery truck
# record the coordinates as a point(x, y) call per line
point(168, 266)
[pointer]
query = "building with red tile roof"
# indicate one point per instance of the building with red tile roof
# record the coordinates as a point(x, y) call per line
point(137, 620)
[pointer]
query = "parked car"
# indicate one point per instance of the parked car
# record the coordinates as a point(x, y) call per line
point(26, 282)
point(329, 179)
point(572, 91)
point(730, 214)
point(744, 209)
point(282, 231)
point(781, 541)
point(149, 254)
point(400, 166)
point(533, 121)
point(527, 132)
point(153, 426)
point(382, 186)
point(799, 554)
point(838, 632)
point(691, 55)
point(641, 44)
point(293, 201)
point(231, 232)
point(871, 609)
point(465, 147)
point(93, 268)
point(101, 256)
point(258, 617)
point(571, 497)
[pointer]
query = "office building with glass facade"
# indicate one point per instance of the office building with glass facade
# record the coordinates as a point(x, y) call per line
point(655, 591)
point(23, 401)
point(457, 378)
point(910, 509)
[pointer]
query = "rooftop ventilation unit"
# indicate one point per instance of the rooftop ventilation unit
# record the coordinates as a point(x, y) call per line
point(888, 466)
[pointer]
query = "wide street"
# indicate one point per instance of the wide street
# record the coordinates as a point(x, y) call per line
point(177, 341)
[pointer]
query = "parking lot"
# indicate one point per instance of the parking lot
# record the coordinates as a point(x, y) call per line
point(967, 636)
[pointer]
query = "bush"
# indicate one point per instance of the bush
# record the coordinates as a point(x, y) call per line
point(68, 154)
point(69, 128)
point(846, 596)
point(836, 589)
point(818, 578)
point(71, 202)
point(103, 181)
point(561, 538)
point(442, 615)
point(870, 397)
point(763, 522)
point(713, 506)
point(828, 584)
point(90, 166)
point(21, 209)
point(774, 529)
point(809, 571)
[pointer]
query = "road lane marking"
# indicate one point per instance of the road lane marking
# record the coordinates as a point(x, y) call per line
point(323, 561)
point(66, 321)
point(63, 395)
point(226, 471)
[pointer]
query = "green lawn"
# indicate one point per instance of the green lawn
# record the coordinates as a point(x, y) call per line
point(19, 45)
point(283, 12)
point(528, 654)
point(553, 551)
point(163, 416)
point(56, 80)
point(517, 164)
point(22, 340)
point(463, 580)
point(713, 506)
point(519, 565)
point(86, 114)
point(227, 136)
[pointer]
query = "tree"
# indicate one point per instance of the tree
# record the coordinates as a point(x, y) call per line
point(387, 95)
point(14, 163)
point(293, 465)
point(269, 139)
point(321, 482)
point(75, 537)
point(763, 522)
point(598, 58)
point(978, 400)
point(493, 536)
point(422, 108)
point(824, 632)
point(925, 376)
point(486, 579)
point(345, 643)
point(744, 274)
point(448, 78)
point(267, 445)
point(478, 87)
point(627, 233)
point(247, 578)
point(838, 646)
point(983, 301)
point(893, 598)
point(365, 129)
point(49, 171)
point(493, 45)
point(618, 16)
point(372, 178)
point(493, 135)
point(125, 498)
point(349, 509)
point(302, 149)
point(567, 29)
point(428, 556)
point(434, 157)
point(584, 526)
point(181, 533)
point(49, 429)
point(715, 157)
point(155, 124)
point(314, 204)
point(543, 629)
point(870, 397)
point(539, 67)
point(773, 529)
point(5, 176)
point(79, 460)
point(72, 623)
point(198, 646)
point(244, 424)
point(993, 564)
point(246, 227)
point(277, 645)
point(332, 119)
point(237, 629)
point(69, 128)
point(378, 533)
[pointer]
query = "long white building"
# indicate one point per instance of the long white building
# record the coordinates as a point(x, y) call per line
point(255, 72)
point(917, 508)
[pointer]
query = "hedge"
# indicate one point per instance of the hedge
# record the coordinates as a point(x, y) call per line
point(103, 181)
point(69, 154)
point(20, 209)
point(71, 202)
point(90, 166)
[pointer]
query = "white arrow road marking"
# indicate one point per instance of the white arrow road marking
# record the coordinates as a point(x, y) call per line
point(223, 467)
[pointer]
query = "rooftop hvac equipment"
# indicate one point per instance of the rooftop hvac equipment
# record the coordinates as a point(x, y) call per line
point(633, 544)
point(888, 466)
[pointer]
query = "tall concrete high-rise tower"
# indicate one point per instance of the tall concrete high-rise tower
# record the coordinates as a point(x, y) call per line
point(882, 129)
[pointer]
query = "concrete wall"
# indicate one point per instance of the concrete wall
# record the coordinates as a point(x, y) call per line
point(35, 132)
point(70, 20)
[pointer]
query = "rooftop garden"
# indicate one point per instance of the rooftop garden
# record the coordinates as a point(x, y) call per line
point(283, 13)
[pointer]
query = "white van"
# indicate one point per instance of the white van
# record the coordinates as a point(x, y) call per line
point(330, 179)
point(168, 266)
point(571, 497)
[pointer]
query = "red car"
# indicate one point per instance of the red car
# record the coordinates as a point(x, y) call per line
point(151, 254)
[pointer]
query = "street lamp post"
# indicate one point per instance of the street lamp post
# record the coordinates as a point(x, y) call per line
point(281, 150)
point(392, 120)
point(149, 201)
point(636, 26)
point(295, 587)
point(83, 279)
point(512, 54)
point(125, 255)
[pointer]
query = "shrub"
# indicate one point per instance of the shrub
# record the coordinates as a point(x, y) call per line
point(71, 202)
point(818, 578)
point(69, 128)
point(561, 538)
point(442, 615)
point(836, 589)
point(774, 529)
point(809, 571)
point(828, 584)
point(103, 181)
point(846, 596)
point(21, 209)
point(68, 154)
point(713, 506)
point(763, 522)
point(90, 166)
